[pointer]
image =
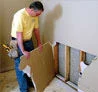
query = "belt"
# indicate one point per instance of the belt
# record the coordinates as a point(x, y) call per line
point(13, 38)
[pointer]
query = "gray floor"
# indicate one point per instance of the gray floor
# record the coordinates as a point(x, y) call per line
point(8, 83)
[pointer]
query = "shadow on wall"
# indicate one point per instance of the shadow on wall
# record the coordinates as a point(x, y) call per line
point(49, 24)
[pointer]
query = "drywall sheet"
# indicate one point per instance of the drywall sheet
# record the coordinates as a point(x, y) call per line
point(89, 80)
point(42, 66)
point(74, 65)
point(71, 22)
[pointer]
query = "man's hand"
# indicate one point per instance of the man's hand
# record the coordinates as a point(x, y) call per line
point(26, 54)
point(20, 43)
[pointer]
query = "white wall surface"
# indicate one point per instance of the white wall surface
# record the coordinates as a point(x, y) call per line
point(72, 22)
point(89, 80)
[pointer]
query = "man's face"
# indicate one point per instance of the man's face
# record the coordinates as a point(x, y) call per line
point(35, 12)
point(38, 12)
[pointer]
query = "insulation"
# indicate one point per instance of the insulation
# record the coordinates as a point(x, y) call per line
point(74, 65)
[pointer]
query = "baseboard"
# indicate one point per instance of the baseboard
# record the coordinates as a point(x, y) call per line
point(72, 85)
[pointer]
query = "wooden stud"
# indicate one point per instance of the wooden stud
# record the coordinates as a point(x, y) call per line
point(82, 58)
point(56, 57)
point(67, 55)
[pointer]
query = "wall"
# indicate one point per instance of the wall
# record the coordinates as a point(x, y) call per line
point(8, 10)
point(1, 22)
point(88, 82)
point(72, 22)
point(1, 4)
point(0, 44)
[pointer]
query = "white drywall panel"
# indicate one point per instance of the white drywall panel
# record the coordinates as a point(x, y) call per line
point(72, 22)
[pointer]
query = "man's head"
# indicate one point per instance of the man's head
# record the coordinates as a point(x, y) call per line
point(35, 8)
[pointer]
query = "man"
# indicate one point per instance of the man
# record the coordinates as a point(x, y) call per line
point(25, 22)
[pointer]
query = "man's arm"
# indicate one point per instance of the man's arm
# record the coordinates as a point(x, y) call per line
point(37, 35)
point(20, 44)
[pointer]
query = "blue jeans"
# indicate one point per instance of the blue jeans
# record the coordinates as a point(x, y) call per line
point(22, 81)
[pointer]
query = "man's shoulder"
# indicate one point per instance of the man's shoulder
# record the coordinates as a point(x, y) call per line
point(20, 12)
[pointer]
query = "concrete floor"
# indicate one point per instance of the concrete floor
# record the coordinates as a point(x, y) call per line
point(8, 83)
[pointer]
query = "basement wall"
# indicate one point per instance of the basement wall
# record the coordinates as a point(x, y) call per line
point(8, 7)
point(71, 22)
point(1, 6)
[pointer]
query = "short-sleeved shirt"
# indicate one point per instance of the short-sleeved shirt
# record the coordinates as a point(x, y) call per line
point(23, 22)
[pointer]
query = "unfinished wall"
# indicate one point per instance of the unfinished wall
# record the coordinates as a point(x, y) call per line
point(8, 10)
point(72, 22)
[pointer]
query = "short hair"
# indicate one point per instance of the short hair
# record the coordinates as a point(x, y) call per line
point(36, 5)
